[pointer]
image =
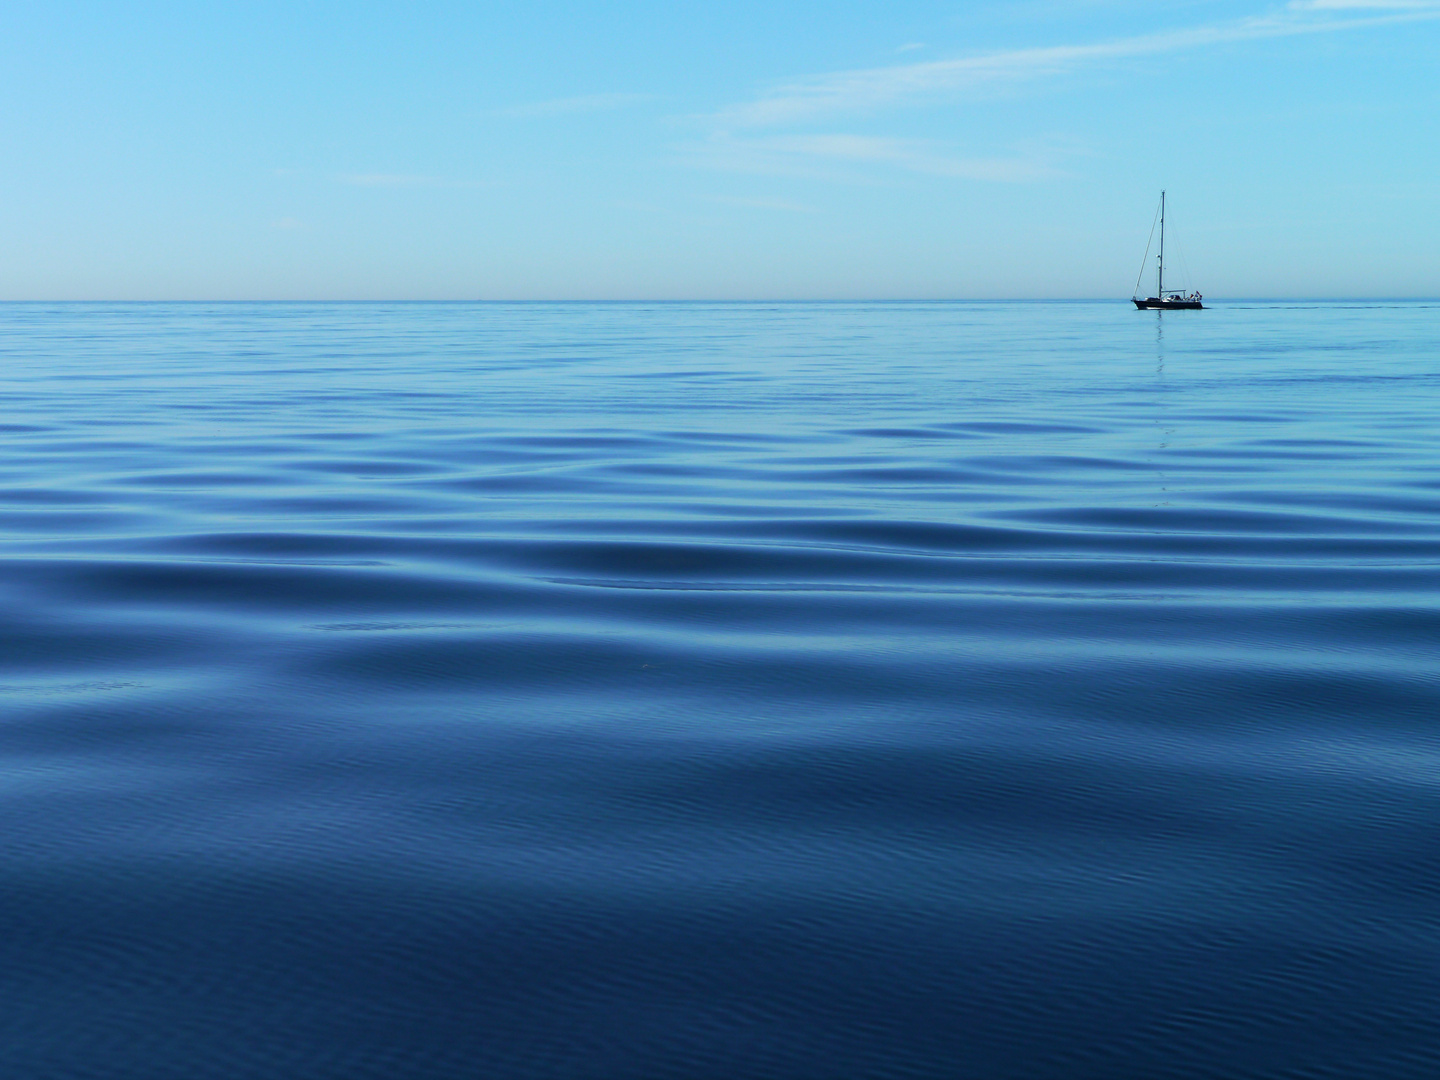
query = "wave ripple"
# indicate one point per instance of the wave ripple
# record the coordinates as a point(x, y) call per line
point(719, 690)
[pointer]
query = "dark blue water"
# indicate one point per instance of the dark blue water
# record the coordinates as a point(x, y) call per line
point(648, 691)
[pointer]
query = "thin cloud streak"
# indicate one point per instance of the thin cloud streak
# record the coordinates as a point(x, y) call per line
point(586, 103)
point(404, 180)
point(873, 88)
point(805, 154)
point(388, 180)
point(784, 205)
point(1362, 5)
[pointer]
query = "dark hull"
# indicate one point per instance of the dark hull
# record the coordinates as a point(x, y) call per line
point(1153, 304)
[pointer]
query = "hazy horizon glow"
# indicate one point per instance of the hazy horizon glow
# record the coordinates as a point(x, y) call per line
point(860, 151)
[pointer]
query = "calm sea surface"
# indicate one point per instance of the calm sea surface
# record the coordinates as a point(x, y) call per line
point(719, 691)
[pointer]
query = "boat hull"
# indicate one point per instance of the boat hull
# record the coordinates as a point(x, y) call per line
point(1154, 304)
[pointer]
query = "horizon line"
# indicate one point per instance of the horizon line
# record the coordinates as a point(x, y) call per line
point(741, 300)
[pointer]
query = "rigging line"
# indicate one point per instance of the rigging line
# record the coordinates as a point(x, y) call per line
point(1184, 266)
point(1185, 275)
point(1146, 259)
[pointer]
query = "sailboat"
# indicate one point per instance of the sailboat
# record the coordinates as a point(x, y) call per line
point(1174, 299)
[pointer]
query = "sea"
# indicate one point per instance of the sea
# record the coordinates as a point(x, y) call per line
point(719, 690)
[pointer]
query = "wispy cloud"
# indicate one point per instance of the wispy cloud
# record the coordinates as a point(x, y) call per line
point(405, 180)
point(784, 205)
point(587, 103)
point(389, 180)
point(1363, 5)
point(871, 89)
point(843, 155)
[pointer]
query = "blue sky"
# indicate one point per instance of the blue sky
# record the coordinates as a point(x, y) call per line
point(744, 150)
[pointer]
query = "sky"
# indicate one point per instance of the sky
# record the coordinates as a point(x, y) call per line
point(744, 150)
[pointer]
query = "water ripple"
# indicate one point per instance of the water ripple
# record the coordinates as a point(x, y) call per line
point(719, 690)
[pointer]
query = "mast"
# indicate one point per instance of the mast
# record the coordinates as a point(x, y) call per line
point(1160, 269)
